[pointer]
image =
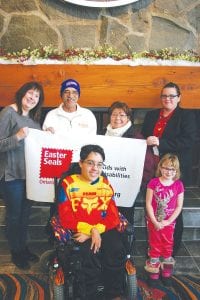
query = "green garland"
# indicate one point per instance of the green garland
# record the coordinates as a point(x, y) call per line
point(72, 54)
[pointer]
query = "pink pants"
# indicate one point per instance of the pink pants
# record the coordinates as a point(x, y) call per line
point(160, 241)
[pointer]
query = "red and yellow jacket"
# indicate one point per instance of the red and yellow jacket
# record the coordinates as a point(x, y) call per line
point(83, 205)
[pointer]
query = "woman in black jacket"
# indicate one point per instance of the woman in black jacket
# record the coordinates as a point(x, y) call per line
point(172, 129)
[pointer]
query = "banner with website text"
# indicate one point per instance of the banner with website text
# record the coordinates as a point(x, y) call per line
point(48, 156)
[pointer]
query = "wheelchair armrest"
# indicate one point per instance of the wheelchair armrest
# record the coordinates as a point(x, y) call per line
point(61, 234)
point(130, 229)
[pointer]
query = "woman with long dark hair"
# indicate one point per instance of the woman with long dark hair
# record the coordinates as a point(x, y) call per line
point(15, 121)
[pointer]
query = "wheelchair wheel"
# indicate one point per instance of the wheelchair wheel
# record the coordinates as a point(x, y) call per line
point(58, 292)
point(131, 287)
point(56, 283)
point(46, 259)
point(131, 280)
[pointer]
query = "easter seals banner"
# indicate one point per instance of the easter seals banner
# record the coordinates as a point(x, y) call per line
point(49, 155)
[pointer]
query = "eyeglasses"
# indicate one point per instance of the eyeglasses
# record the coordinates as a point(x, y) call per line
point(68, 93)
point(92, 163)
point(171, 97)
point(169, 169)
point(118, 115)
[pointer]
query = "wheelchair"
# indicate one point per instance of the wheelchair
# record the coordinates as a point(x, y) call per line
point(64, 263)
point(64, 266)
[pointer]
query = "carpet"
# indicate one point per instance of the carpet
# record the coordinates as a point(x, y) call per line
point(24, 287)
point(36, 287)
point(184, 287)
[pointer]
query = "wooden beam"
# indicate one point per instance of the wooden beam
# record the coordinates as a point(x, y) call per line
point(138, 86)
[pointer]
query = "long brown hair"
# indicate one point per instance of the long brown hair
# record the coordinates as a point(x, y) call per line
point(34, 113)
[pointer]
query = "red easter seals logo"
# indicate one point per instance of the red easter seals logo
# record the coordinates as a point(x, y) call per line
point(54, 162)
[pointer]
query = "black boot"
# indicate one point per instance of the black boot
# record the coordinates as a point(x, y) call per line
point(20, 261)
point(29, 256)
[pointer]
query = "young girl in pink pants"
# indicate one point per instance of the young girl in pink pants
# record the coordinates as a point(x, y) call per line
point(164, 201)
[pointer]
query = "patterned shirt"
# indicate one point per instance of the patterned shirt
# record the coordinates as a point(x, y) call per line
point(164, 199)
point(161, 124)
point(83, 205)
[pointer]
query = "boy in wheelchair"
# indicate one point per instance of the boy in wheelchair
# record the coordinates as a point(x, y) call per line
point(86, 207)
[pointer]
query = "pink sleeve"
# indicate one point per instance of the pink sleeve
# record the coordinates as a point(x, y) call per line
point(180, 187)
point(152, 183)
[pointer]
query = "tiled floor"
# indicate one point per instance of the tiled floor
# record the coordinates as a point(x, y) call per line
point(187, 260)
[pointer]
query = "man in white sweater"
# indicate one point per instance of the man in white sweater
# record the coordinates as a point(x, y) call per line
point(69, 117)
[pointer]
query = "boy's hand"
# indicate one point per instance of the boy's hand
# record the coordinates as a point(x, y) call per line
point(80, 237)
point(96, 240)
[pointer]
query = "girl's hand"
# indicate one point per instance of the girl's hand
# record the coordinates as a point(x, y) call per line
point(22, 133)
point(96, 240)
point(165, 223)
point(158, 225)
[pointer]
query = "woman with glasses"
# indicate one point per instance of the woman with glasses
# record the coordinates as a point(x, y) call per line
point(120, 121)
point(172, 129)
point(120, 126)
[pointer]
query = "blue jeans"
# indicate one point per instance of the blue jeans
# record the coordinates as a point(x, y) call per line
point(17, 213)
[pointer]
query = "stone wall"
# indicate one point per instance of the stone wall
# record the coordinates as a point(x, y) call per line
point(142, 25)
